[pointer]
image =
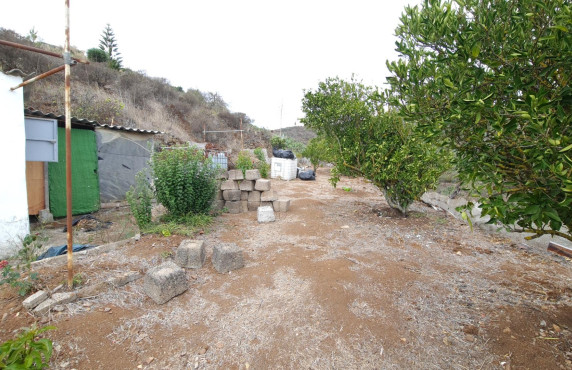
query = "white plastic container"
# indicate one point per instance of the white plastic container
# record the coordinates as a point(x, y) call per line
point(283, 168)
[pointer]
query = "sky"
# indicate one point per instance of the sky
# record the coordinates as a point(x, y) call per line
point(259, 56)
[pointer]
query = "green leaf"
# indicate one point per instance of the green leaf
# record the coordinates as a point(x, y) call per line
point(475, 50)
point(565, 149)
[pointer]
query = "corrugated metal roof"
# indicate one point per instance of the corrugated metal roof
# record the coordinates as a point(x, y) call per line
point(36, 113)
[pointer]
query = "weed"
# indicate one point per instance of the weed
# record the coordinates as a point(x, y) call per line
point(166, 254)
point(346, 188)
point(139, 199)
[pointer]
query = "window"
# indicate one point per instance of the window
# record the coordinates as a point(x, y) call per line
point(41, 139)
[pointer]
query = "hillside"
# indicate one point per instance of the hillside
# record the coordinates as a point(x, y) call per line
point(129, 98)
point(297, 133)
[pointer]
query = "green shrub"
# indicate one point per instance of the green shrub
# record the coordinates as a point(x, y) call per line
point(139, 199)
point(97, 55)
point(185, 181)
point(27, 352)
point(259, 154)
point(244, 162)
point(15, 275)
point(264, 169)
point(317, 151)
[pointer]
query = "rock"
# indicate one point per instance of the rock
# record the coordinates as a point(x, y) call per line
point(191, 254)
point(164, 282)
point(137, 237)
point(246, 185)
point(235, 175)
point(556, 328)
point(35, 299)
point(507, 330)
point(469, 338)
point(45, 216)
point(543, 324)
point(231, 195)
point(227, 257)
point(229, 185)
point(262, 185)
point(252, 174)
point(244, 195)
point(470, 329)
point(203, 350)
point(233, 207)
point(281, 205)
point(266, 214)
point(59, 308)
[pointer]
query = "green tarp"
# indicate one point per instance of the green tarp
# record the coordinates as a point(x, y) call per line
point(85, 182)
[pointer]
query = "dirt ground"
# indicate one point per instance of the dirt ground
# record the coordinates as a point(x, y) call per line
point(339, 281)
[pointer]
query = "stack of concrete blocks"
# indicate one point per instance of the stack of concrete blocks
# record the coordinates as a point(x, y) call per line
point(246, 192)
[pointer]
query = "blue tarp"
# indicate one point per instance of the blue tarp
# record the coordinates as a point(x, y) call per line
point(63, 249)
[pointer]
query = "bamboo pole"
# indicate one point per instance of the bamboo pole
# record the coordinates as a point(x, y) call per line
point(68, 62)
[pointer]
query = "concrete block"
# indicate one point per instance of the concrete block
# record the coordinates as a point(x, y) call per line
point(253, 206)
point(125, 278)
point(268, 196)
point(235, 175)
point(266, 204)
point(219, 195)
point(227, 257)
point(35, 299)
point(231, 195)
point(229, 185)
point(281, 205)
point(262, 185)
point(252, 174)
point(233, 207)
point(244, 206)
point(244, 195)
point(266, 214)
point(63, 298)
point(93, 290)
point(254, 196)
point(218, 204)
point(164, 282)
point(44, 307)
point(246, 185)
point(191, 254)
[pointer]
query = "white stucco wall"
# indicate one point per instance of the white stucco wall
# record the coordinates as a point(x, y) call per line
point(14, 224)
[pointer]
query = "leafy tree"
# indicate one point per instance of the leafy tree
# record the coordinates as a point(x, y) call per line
point(318, 150)
point(372, 142)
point(97, 55)
point(490, 79)
point(109, 45)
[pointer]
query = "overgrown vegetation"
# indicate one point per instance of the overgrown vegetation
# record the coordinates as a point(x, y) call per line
point(263, 167)
point(140, 198)
point(26, 351)
point(244, 162)
point(491, 81)
point(185, 181)
point(18, 274)
point(283, 142)
point(372, 142)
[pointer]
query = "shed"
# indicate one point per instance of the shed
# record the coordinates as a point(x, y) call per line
point(105, 159)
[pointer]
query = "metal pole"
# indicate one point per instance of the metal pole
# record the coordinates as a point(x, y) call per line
point(39, 77)
point(37, 50)
point(68, 61)
point(241, 140)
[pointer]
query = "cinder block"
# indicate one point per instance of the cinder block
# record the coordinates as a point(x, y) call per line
point(244, 195)
point(253, 206)
point(235, 175)
point(266, 204)
point(262, 185)
point(281, 205)
point(233, 207)
point(164, 282)
point(227, 257)
point(244, 206)
point(268, 196)
point(231, 195)
point(246, 185)
point(266, 214)
point(254, 196)
point(35, 299)
point(219, 195)
point(229, 185)
point(218, 204)
point(252, 174)
point(191, 254)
